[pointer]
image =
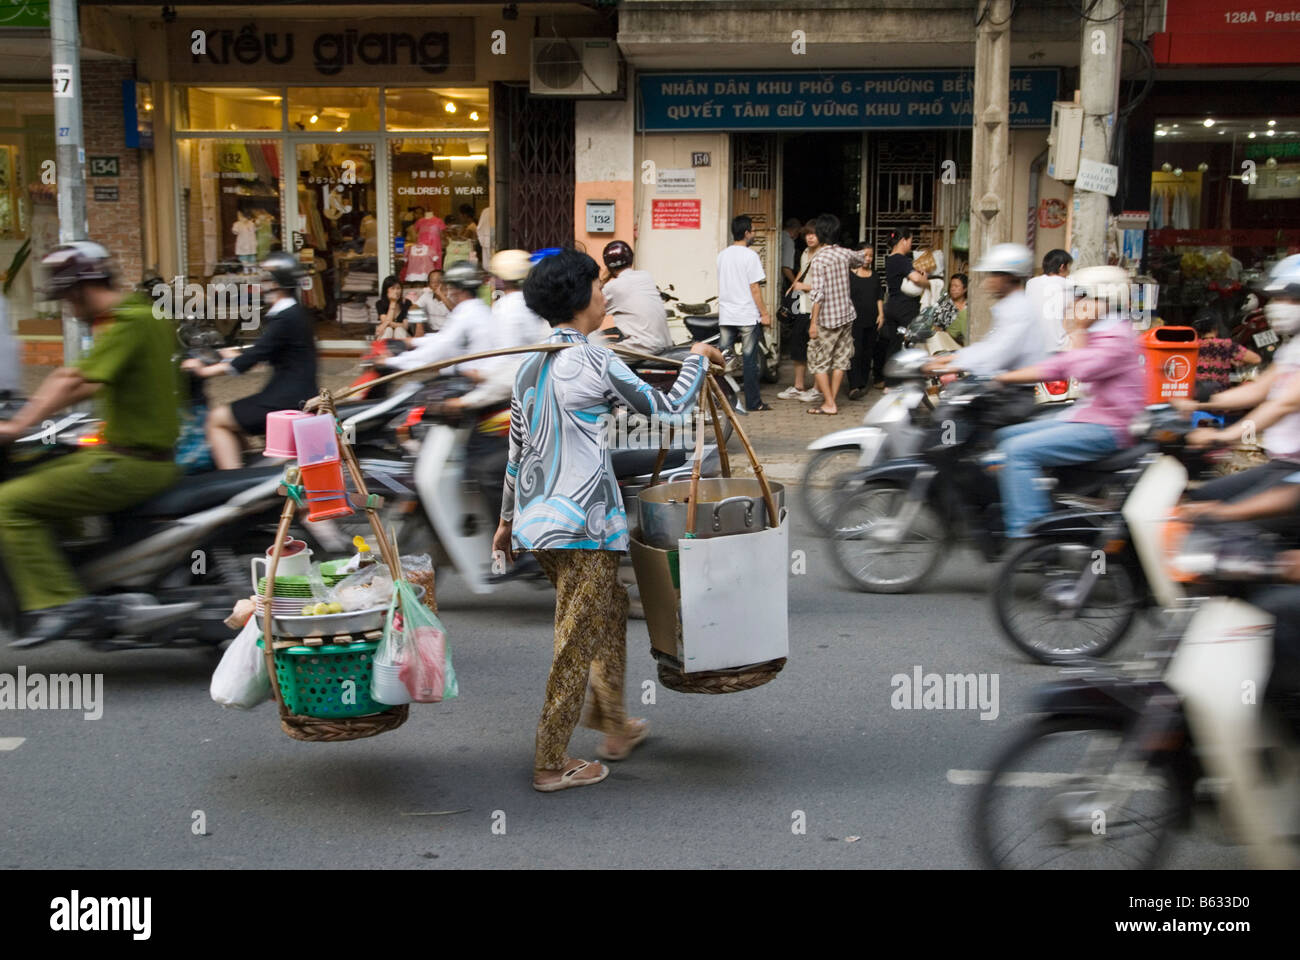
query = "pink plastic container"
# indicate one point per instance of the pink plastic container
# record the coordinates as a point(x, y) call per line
point(279, 433)
point(316, 440)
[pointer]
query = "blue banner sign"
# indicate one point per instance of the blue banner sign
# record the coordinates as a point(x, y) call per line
point(843, 100)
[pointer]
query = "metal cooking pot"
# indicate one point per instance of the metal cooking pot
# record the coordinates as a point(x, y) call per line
point(728, 505)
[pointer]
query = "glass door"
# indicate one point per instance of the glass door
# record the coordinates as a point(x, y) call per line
point(340, 231)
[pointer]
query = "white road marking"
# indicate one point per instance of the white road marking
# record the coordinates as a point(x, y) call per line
point(11, 743)
point(969, 778)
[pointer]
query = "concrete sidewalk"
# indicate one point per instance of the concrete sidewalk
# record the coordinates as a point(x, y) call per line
point(779, 436)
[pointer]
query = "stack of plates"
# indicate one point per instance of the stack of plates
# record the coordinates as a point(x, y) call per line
point(284, 606)
point(300, 587)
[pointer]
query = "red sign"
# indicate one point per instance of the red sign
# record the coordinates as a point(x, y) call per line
point(1051, 213)
point(1229, 32)
point(675, 214)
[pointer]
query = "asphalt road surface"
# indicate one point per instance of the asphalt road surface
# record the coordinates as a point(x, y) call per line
point(720, 783)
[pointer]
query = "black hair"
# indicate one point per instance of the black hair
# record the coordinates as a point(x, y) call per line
point(898, 236)
point(828, 228)
point(1054, 261)
point(793, 223)
point(1207, 324)
point(740, 226)
point(559, 286)
point(467, 208)
point(965, 280)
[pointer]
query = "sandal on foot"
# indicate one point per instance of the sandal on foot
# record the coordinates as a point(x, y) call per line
point(640, 729)
point(572, 776)
point(819, 412)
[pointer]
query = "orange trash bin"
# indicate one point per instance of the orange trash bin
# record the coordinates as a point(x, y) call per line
point(1169, 354)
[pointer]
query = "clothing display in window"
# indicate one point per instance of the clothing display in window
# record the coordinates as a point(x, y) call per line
point(426, 253)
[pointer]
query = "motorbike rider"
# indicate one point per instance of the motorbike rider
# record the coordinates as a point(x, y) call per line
point(471, 328)
point(1109, 364)
point(517, 325)
point(288, 344)
point(632, 302)
point(1017, 339)
point(131, 372)
point(1273, 399)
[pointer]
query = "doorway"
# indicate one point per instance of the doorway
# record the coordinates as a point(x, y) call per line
point(822, 173)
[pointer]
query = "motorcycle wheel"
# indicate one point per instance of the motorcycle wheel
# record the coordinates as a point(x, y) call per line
point(1047, 793)
point(818, 494)
point(1037, 624)
point(876, 566)
point(769, 368)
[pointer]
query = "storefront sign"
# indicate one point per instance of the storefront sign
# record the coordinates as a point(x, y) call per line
point(675, 181)
point(843, 100)
point(600, 216)
point(1229, 32)
point(675, 214)
point(25, 13)
point(105, 195)
point(271, 51)
point(1097, 177)
point(105, 166)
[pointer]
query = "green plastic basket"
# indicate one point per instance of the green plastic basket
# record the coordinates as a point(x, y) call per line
point(311, 680)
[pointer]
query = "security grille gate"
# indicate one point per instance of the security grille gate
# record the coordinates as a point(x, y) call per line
point(903, 195)
point(540, 147)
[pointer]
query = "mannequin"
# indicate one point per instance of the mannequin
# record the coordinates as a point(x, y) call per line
point(426, 253)
point(245, 231)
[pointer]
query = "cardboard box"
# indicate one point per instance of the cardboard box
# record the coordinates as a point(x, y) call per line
point(732, 608)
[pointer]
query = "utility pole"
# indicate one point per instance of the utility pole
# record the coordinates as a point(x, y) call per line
point(1099, 69)
point(990, 216)
point(70, 151)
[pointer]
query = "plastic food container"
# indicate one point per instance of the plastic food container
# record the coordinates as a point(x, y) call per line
point(316, 440)
point(279, 433)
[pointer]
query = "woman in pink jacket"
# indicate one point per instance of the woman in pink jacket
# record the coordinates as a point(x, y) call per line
point(1106, 360)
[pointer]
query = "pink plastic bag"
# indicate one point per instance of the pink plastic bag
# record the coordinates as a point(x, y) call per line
point(417, 643)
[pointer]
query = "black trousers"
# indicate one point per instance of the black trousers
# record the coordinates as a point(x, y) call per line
point(486, 457)
point(1283, 602)
point(1245, 484)
point(864, 353)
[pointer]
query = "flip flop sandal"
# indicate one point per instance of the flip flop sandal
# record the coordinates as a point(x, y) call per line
point(632, 743)
point(569, 778)
point(819, 412)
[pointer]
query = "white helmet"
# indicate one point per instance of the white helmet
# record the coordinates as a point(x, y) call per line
point(1284, 279)
point(1012, 258)
point(1110, 284)
point(511, 265)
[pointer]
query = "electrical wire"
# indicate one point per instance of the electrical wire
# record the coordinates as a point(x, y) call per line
point(1086, 15)
point(995, 23)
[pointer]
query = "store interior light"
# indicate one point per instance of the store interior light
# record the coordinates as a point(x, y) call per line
point(338, 129)
point(313, 118)
point(1251, 135)
point(1272, 123)
point(473, 114)
point(1222, 132)
point(1165, 133)
point(449, 107)
point(1269, 133)
point(1208, 121)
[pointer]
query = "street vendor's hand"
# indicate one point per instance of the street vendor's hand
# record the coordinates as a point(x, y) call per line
point(501, 541)
point(709, 352)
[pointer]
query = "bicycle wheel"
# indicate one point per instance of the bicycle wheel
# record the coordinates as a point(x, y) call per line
point(871, 553)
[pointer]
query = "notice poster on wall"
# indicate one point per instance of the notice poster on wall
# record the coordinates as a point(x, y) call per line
point(675, 214)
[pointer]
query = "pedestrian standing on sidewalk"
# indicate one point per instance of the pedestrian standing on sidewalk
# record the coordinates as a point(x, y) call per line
point(830, 333)
point(740, 304)
point(789, 235)
point(869, 306)
point(802, 309)
point(904, 286)
point(562, 503)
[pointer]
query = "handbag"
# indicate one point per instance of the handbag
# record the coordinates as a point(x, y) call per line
point(785, 312)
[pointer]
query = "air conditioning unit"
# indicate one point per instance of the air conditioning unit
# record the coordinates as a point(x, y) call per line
point(1065, 141)
point(576, 67)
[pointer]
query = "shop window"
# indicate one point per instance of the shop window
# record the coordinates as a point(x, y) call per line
point(229, 108)
point(327, 110)
point(427, 108)
point(230, 202)
point(439, 189)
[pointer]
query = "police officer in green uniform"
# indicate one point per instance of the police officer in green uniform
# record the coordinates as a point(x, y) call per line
point(131, 374)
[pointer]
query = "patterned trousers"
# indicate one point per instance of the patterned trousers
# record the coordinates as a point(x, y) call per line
point(590, 644)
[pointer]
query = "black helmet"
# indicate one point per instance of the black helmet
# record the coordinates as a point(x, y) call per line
point(617, 255)
point(463, 275)
point(283, 270)
point(70, 264)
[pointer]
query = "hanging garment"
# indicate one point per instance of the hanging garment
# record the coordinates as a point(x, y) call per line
point(426, 253)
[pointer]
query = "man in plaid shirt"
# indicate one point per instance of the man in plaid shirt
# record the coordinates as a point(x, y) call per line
point(830, 335)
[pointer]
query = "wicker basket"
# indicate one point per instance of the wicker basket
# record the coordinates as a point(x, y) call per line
point(734, 680)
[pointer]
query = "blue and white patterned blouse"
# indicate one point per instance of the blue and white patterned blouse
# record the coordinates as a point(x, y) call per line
point(560, 491)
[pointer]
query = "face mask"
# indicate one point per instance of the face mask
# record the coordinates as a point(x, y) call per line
point(1283, 317)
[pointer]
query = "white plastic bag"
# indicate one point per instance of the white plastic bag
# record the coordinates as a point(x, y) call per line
point(240, 679)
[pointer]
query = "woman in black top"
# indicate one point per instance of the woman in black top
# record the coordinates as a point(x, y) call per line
point(392, 308)
point(900, 309)
point(287, 343)
point(866, 292)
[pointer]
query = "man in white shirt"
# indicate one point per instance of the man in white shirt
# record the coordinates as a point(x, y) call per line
point(433, 303)
point(1017, 339)
point(1047, 293)
point(740, 304)
point(471, 328)
point(632, 302)
point(518, 325)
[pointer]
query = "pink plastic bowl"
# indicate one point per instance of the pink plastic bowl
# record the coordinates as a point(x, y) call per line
point(279, 434)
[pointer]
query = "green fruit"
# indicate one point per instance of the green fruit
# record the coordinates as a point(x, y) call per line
point(336, 607)
point(309, 610)
point(322, 609)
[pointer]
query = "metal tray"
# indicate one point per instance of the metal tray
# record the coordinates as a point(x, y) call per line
point(334, 624)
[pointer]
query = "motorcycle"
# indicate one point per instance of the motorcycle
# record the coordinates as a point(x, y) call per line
point(701, 321)
point(1076, 585)
point(898, 519)
point(1119, 759)
point(450, 518)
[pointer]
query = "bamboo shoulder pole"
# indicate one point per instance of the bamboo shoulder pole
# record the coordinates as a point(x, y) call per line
point(768, 499)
